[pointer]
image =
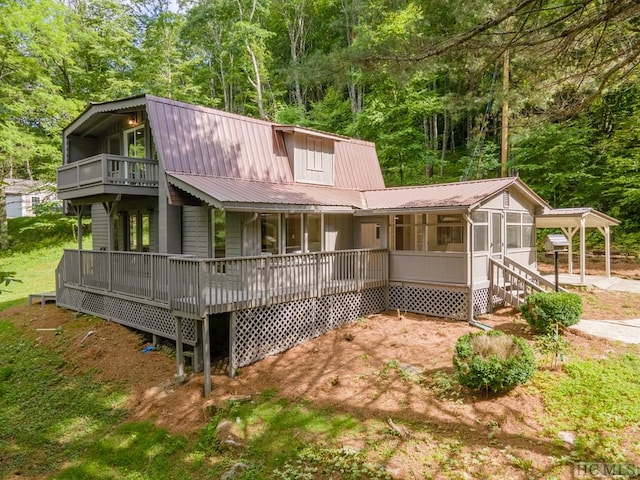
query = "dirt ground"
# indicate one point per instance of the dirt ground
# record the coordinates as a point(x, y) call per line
point(351, 370)
point(621, 266)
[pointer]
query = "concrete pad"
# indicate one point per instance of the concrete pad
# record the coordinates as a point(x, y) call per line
point(615, 284)
point(627, 331)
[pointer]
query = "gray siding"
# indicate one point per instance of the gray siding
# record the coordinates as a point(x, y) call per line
point(338, 232)
point(195, 231)
point(99, 227)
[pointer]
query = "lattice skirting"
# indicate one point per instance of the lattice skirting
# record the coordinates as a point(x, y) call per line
point(149, 318)
point(440, 301)
point(260, 332)
point(481, 301)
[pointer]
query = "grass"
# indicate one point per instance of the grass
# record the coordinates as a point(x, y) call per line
point(69, 427)
point(35, 248)
point(598, 400)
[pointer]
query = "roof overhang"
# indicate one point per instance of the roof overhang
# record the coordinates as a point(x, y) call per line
point(573, 217)
point(249, 196)
point(102, 112)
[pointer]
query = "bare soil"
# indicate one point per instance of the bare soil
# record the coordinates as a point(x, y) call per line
point(355, 370)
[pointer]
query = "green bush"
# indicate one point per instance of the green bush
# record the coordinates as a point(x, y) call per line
point(492, 361)
point(544, 311)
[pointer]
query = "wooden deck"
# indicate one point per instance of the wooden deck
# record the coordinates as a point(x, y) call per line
point(194, 288)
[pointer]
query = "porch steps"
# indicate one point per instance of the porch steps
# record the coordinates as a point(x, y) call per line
point(42, 298)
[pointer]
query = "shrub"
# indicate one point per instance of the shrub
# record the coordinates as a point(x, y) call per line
point(493, 361)
point(544, 311)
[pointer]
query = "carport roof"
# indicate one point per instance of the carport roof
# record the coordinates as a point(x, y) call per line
point(571, 217)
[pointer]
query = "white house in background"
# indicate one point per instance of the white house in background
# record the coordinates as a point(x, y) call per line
point(23, 195)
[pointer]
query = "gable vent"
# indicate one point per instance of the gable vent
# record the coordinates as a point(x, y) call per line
point(505, 199)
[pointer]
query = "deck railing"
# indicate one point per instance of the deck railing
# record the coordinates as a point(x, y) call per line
point(143, 275)
point(513, 283)
point(194, 287)
point(204, 286)
point(110, 170)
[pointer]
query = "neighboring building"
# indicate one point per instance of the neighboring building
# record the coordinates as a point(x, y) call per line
point(23, 195)
point(268, 235)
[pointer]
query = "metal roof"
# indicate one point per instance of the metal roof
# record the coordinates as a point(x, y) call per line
point(231, 193)
point(571, 217)
point(446, 195)
point(18, 186)
point(204, 141)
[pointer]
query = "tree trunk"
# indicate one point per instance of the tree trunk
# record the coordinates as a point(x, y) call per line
point(4, 225)
point(256, 81)
point(445, 132)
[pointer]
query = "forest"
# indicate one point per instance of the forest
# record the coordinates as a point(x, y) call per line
point(448, 89)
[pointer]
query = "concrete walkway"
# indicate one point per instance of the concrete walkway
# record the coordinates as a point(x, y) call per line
point(627, 331)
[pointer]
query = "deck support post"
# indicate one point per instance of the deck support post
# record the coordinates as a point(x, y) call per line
point(179, 348)
point(206, 353)
point(607, 250)
point(232, 342)
point(154, 340)
point(197, 351)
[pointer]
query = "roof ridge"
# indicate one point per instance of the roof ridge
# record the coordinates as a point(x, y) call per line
point(446, 184)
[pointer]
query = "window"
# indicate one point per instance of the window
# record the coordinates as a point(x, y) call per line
point(218, 223)
point(520, 230)
point(134, 142)
point(314, 232)
point(450, 230)
point(138, 231)
point(480, 231)
point(408, 232)
point(293, 232)
point(270, 233)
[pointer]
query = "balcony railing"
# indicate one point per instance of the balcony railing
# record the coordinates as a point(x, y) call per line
point(105, 169)
point(194, 287)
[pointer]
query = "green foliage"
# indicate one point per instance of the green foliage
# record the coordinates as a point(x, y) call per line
point(546, 311)
point(492, 361)
point(554, 346)
point(313, 462)
point(42, 231)
point(597, 399)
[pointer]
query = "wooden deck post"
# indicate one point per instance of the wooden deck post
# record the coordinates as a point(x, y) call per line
point(232, 342)
point(179, 348)
point(607, 250)
point(206, 353)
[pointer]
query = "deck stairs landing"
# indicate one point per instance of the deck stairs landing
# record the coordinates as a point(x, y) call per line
point(511, 283)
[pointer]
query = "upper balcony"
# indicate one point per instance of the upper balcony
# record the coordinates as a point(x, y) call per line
point(108, 174)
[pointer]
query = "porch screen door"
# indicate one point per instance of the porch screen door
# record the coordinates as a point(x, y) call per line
point(496, 235)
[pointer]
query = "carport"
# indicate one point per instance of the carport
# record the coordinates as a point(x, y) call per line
point(573, 220)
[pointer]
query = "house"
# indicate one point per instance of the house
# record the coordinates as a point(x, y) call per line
point(212, 228)
point(23, 195)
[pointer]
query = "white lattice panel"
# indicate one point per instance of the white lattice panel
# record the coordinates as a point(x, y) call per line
point(431, 300)
point(149, 318)
point(481, 301)
point(264, 331)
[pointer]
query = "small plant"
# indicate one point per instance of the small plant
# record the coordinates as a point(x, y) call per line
point(553, 346)
point(492, 361)
point(544, 311)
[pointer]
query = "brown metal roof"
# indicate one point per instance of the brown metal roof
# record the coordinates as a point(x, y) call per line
point(460, 194)
point(233, 193)
point(571, 217)
point(204, 141)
